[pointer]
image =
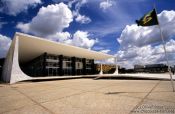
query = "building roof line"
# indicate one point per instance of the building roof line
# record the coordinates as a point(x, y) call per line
point(41, 38)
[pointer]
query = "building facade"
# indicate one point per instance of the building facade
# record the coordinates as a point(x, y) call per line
point(30, 57)
point(58, 65)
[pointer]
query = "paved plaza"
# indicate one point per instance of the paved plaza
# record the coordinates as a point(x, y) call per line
point(88, 96)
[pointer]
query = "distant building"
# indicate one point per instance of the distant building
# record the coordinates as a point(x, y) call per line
point(122, 70)
point(151, 68)
point(156, 68)
point(139, 68)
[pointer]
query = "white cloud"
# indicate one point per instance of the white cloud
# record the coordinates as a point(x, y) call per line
point(49, 20)
point(71, 2)
point(58, 1)
point(60, 37)
point(146, 55)
point(97, 48)
point(80, 3)
point(81, 39)
point(106, 4)
point(105, 51)
point(107, 61)
point(140, 36)
point(143, 45)
point(24, 27)
point(5, 44)
point(14, 7)
point(83, 19)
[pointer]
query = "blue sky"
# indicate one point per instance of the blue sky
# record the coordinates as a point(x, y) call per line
point(95, 24)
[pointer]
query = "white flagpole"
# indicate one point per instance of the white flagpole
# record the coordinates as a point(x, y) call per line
point(165, 52)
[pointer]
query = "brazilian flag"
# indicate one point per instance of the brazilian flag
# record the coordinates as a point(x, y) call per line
point(149, 19)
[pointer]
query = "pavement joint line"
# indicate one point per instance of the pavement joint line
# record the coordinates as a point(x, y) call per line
point(74, 94)
point(36, 103)
point(145, 97)
point(66, 97)
point(161, 100)
point(69, 96)
point(15, 109)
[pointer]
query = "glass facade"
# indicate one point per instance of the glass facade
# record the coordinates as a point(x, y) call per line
point(79, 66)
point(89, 66)
point(67, 66)
point(52, 65)
point(58, 65)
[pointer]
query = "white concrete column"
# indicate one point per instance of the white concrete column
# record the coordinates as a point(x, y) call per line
point(115, 62)
point(11, 65)
point(101, 69)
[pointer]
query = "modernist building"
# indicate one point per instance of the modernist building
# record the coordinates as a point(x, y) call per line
point(30, 57)
point(151, 68)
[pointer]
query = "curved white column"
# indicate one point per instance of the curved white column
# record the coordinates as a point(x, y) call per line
point(116, 70)
point(101, 69)
point(12, 72)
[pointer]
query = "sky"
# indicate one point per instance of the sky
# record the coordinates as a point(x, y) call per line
point(107, 26)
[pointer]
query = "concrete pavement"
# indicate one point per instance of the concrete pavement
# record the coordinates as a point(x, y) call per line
point(87, 96)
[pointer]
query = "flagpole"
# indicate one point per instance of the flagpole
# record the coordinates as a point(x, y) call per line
point(165, 51)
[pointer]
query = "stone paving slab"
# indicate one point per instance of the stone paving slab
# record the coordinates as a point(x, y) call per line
point(87, 96)
point(13, 101)
point(30, 109)
point(94, 103)
point(155, 107)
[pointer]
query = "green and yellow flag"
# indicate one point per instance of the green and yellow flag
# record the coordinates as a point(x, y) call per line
point(149, 19)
